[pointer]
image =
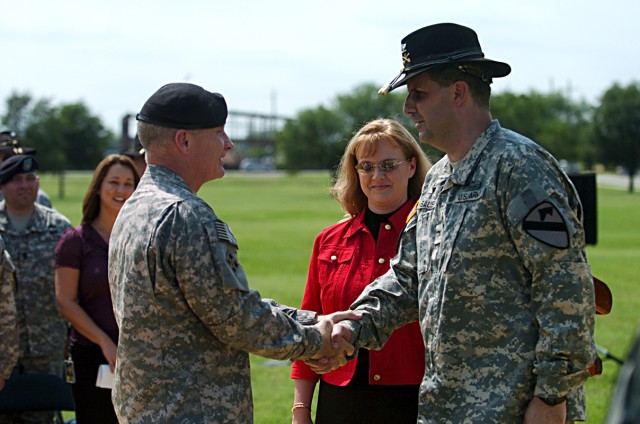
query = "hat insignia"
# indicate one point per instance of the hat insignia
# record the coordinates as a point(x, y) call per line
point(27, 164)
point(406, 58)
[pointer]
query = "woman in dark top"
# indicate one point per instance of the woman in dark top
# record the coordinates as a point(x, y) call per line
point(82, 286)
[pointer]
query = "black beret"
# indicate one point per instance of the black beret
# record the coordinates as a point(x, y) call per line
point(183, 105)
point(18, 164)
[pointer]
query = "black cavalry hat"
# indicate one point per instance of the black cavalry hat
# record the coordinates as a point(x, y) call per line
point(184, 105)
point(443, 44)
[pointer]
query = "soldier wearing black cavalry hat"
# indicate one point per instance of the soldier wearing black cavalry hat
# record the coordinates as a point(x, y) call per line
point(494, 256)
point(186, 315)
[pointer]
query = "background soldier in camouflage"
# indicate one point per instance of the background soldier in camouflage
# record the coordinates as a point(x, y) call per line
point(30, 232)
point(186, 315)
point(493, 261)
point(10, 146)
point(8, 320)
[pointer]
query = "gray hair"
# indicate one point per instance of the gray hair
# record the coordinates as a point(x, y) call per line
point(151, 135)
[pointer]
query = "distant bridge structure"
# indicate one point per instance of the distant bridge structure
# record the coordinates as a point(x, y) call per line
point(247, 130)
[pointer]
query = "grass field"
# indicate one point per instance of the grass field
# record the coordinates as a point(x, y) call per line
point(275, 219)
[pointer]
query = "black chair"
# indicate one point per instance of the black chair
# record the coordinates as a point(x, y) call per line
point(36, 392)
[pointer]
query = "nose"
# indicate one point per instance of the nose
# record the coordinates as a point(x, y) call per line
point(409, 106)
point(123, 188)
point(228, 144)
point(377, 173)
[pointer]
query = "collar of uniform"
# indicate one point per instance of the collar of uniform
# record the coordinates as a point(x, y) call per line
point(40, 220)
point(168, 180)
point(466, 166)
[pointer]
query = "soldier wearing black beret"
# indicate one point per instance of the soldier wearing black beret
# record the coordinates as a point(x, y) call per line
point(186, 315)
point(18, 164)
point(10, 146)
point(30, 232)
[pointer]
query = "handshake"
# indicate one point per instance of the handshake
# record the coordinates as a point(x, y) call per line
point(335, 342)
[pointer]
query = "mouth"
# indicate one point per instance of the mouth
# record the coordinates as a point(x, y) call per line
point(380, 187)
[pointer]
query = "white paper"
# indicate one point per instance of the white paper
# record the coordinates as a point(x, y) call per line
point(105, 377)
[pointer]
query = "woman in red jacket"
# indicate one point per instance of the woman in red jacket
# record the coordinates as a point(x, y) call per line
point(379, 181)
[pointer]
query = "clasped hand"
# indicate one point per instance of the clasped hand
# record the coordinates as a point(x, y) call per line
point(335, 342)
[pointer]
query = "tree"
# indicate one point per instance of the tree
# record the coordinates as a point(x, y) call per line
point(617, 128)
point(65, 137)
point(16, 117)
point(552, 120)
point(312, 141)
point(316, 139)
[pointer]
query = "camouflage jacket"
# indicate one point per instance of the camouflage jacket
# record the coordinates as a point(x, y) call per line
point(8, 320)
point(43, 330)
point(493, 263)
point(186, 315)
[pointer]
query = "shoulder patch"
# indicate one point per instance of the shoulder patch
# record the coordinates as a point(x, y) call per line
point(224, 233)
point(412, 213)
point(544, 223)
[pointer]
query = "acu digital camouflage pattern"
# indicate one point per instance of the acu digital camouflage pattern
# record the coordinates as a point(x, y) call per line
point(186, 315)
point(8, 320)
point(43, 330)
point(504, 316)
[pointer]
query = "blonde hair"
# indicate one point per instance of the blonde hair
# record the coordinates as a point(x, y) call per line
point(346, 189)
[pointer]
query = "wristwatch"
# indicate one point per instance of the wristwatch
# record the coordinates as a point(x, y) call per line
point(553, 400)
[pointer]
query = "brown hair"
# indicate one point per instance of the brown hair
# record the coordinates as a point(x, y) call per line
point(444, 76)
point(91, 202)
point(347, 190)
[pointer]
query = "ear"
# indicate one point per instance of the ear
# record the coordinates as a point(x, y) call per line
point(412, 167)
point(181, 141)
point(460, 92)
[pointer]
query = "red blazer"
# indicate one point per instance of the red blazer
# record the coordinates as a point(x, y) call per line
point(345, 259)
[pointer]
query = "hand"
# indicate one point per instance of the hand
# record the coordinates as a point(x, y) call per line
point(341, 316)
point(332, 354)
point(539, 412)
point(109, 350)
point(340, 337)
point(1, 383)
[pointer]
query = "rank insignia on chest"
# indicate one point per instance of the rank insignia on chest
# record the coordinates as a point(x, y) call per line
point(232, 261)
point(544, 223)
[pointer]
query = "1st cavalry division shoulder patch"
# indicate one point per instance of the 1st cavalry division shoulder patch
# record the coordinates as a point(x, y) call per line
point(544, 223)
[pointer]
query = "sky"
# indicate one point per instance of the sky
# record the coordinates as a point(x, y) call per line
point(284, 56)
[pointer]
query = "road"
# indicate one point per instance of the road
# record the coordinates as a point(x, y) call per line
point(617, 181)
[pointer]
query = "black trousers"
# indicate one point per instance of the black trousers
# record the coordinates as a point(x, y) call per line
point(93, 404)
point(360, 402)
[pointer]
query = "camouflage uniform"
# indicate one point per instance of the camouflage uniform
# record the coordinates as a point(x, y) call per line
point(8, 321)
point(504, 296)
point(186, 315)
point(43, 331)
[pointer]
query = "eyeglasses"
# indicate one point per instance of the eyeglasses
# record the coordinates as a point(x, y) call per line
point(384, 166)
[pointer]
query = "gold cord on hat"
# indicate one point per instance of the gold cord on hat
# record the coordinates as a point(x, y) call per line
point(475, 72)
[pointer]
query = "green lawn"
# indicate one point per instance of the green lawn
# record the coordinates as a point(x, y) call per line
point(275, 219)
